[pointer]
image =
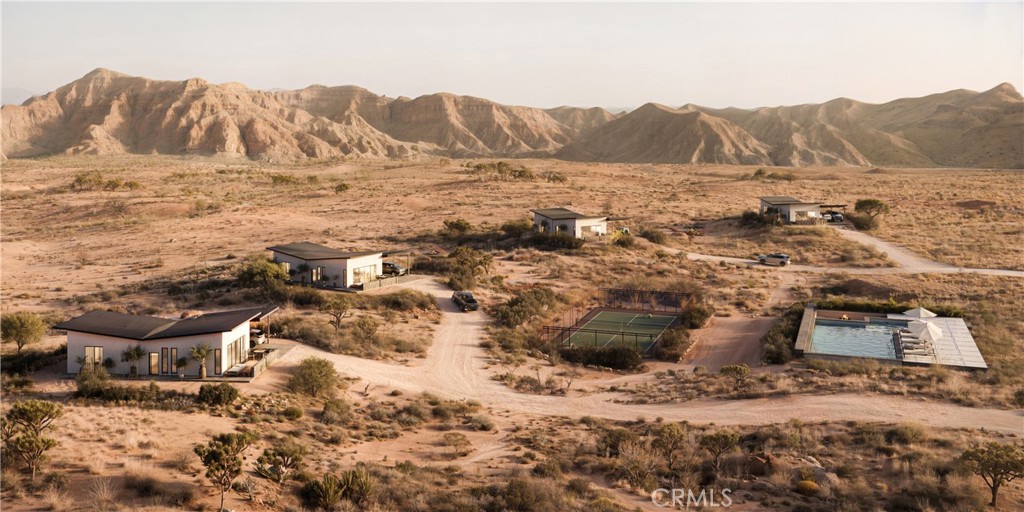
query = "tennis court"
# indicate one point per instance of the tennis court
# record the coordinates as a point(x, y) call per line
point(639, 330)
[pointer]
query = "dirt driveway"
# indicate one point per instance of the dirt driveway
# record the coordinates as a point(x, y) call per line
point(456, 367)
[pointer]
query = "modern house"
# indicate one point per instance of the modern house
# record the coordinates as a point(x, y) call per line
point(311, 263)
point(562, 220)
point(791, 210)
point(97, 336)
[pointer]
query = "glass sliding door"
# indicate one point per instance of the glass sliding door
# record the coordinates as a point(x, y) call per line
point(154, 363)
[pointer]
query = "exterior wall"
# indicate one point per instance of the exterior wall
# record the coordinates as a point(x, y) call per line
point(547, 225)
point(793, 212)
point(598, 227)
point(342, 269)
point(112, 348)
point(571, 227)
point(374, 260)
point(797, 212)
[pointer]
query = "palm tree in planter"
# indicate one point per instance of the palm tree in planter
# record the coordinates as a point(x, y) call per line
point(199, 354)
point(133, 355)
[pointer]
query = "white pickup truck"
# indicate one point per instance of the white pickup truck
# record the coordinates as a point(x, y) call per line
point(774, 259)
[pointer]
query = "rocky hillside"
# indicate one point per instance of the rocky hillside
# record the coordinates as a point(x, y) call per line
point(106, 112)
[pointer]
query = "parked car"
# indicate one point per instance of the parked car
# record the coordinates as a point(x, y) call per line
point(394, 269)
point(465, 301)
point(776, 258)
point(832, 216)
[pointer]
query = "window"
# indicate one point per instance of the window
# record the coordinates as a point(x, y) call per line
point(154, 363)
point(286, 266)
point(93, 355)
point(364, 274)
point(165, 363)
point(231, 354)
point(174, 360)
point(216, 362)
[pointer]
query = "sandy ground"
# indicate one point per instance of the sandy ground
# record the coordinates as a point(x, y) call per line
point(455, 368)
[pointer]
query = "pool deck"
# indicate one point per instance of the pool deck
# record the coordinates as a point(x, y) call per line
point(806, 333)
point(956, 346)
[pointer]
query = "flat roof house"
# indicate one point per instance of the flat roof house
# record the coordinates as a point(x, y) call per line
point(311, 263)
point(562, 220)
point(99, 335)
point(790, 209)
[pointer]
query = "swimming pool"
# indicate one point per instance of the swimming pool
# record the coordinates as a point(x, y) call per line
point(854, 339)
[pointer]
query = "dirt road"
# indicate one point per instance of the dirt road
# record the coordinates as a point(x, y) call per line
point(455, 367)
point(908, 262)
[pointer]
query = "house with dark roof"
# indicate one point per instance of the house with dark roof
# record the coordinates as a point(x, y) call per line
point(790, 209)
point(563, 220)
point(317, 264)
point(99, 337)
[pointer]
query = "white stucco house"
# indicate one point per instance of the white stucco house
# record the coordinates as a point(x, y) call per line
point(311, 263)
point(99, 335)
point(562, 220)
point(790, 209)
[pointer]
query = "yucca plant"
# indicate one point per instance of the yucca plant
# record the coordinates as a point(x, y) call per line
point(359, 485)
point(325, 493)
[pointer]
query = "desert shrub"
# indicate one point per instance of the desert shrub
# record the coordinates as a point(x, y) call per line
point(89, 180)
point(528, 494)
point(336, 412)
point(406, 300)
point(751, 219)
point(283, 179)
point(302, 329)
point(217, 394)
point(315, 377)
point(863, 222)
point(91, 381)
point(807, 488)
point(517, 228)
point(525, 306)
point(624, 240)
point(620, 358)
point(307, 297)
point(481, 422)
point(292, 412)
point(780, 340)
point(341, 187)
point(696, 315)
point(653, 235)
point(609, 442)
point(905, 433)
point(672, 345)
point(457, 227)
point(554, 177)
point(30, 361)
point(554, 241)
point(1018, 397)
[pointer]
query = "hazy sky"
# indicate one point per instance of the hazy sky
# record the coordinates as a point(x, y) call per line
point(541, 55)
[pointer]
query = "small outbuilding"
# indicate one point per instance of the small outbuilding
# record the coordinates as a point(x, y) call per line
point(311, 263)
point(563, 220)
point(790, 209)
point(102, 337)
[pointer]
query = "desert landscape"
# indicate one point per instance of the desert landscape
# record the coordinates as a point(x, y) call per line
point(500, 257)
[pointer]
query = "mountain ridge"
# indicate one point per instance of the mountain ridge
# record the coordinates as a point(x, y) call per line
point(108, 112)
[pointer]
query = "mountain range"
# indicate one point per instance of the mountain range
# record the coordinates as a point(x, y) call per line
point(106, 112)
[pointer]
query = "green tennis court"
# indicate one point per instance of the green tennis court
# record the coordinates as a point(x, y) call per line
point(609, 328)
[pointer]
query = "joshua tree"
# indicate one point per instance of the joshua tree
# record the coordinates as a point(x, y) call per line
point(22, 328)
point(995, 463)
point(133, 355)
point(199, 354)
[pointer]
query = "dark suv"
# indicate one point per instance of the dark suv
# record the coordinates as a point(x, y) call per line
point(394, 269)
point(465, 301)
